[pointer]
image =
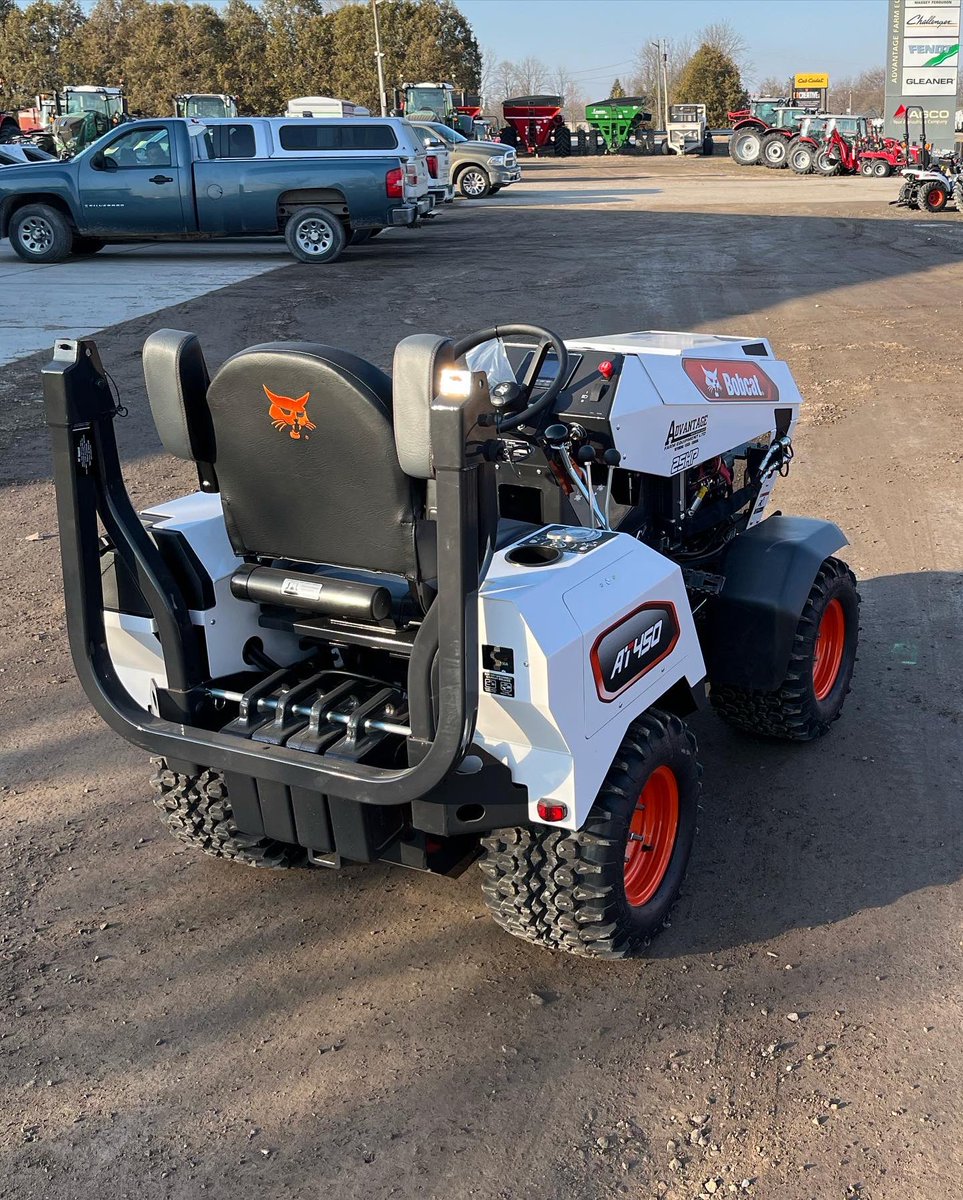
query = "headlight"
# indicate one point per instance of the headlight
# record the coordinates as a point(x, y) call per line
point(497, 160)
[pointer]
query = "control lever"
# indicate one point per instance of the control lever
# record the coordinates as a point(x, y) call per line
point(611, 458)
point(585, 456)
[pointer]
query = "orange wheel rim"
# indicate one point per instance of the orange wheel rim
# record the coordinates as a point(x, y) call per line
point(937, 198)
point(652, 834)
point(828, 651)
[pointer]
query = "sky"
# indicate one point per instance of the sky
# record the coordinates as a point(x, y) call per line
point(597, 40)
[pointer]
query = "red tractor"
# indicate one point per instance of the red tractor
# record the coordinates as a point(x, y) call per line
point(535, 125)
point(761, 132)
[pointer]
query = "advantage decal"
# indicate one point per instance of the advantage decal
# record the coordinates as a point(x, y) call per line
point(685, 433)
point(632, 647)
point(728, 381)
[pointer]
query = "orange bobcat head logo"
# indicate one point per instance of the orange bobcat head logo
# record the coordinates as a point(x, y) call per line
point(289, 413)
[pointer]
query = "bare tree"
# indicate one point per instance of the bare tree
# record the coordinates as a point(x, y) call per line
point(723, 35)
point(861, 94)
point(772, 85)
point(532, 74)
point(645, 79)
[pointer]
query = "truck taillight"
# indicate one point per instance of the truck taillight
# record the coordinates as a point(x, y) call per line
point(433, 166)
point(395, 184)
point(411, 174)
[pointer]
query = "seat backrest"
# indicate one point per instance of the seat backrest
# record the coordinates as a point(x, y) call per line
point(300, 436)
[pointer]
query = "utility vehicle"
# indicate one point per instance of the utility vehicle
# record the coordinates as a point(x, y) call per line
point(458, 614)
point(207, 104)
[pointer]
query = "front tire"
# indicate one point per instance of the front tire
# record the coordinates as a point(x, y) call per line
point(314, 235)
point(824, 164)
point(773, 154)
point(41, 234)
point(818, 679)
point(882, 169)
point(605, 890)
point(197, 810)
point(800, 158)
point(708, 146)
point(473, 183)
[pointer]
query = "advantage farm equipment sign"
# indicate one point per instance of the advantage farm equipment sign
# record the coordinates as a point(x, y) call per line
point(922, 67)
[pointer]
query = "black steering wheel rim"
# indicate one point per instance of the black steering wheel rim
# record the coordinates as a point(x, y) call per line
point(545, 340)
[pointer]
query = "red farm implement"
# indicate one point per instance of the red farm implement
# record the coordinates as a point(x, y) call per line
point(535, 125)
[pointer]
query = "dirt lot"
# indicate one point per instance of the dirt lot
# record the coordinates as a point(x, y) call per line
point(176, 1027)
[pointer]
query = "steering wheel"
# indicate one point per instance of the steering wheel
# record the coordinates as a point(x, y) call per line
point(545, 341)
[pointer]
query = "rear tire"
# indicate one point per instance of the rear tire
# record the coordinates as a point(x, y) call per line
point(745, 147)
point(596, 892)
point(820, 672)
point(196, 810)
point(315, 235)
point(932, 197)
point(563, 142)
point(882, 169)
point(708, 146)
point(41, 234)
point(867, 167)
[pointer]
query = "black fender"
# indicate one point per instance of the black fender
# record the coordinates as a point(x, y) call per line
point(769, 570)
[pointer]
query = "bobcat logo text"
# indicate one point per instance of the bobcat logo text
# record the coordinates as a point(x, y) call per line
point(290, 413)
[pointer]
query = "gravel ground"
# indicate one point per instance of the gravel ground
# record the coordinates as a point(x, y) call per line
point(174, 1026)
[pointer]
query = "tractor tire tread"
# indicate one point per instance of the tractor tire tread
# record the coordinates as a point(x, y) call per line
point(196, 810)
point(545, 885)
point(786, 713)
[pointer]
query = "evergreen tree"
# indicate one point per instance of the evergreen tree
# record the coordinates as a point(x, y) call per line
point(244, 75)
point(618, 91)
point(710, 77)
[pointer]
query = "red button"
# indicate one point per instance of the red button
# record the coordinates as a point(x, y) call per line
point(606, 370)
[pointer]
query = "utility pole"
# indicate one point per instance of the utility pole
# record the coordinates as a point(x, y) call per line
point(665, 82)
point(658, 78)
point(379, 57)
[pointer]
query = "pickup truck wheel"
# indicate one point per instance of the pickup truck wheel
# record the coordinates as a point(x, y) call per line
point(315, 235)
point(473, 183)
point(39, 233)
point(86, 245)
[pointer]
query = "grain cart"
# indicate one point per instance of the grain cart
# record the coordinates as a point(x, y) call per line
point(429, 621)
point(687, 131)
point(205, 104)
point(618, 121)
point(767, 124)
point(535, 125)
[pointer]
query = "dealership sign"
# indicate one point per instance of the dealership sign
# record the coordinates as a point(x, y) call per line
point(922, 70)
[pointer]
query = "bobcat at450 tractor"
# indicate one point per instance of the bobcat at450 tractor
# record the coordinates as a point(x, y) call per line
point(454, 615)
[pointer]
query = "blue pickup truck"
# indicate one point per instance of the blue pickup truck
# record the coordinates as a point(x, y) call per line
point(318, 183)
